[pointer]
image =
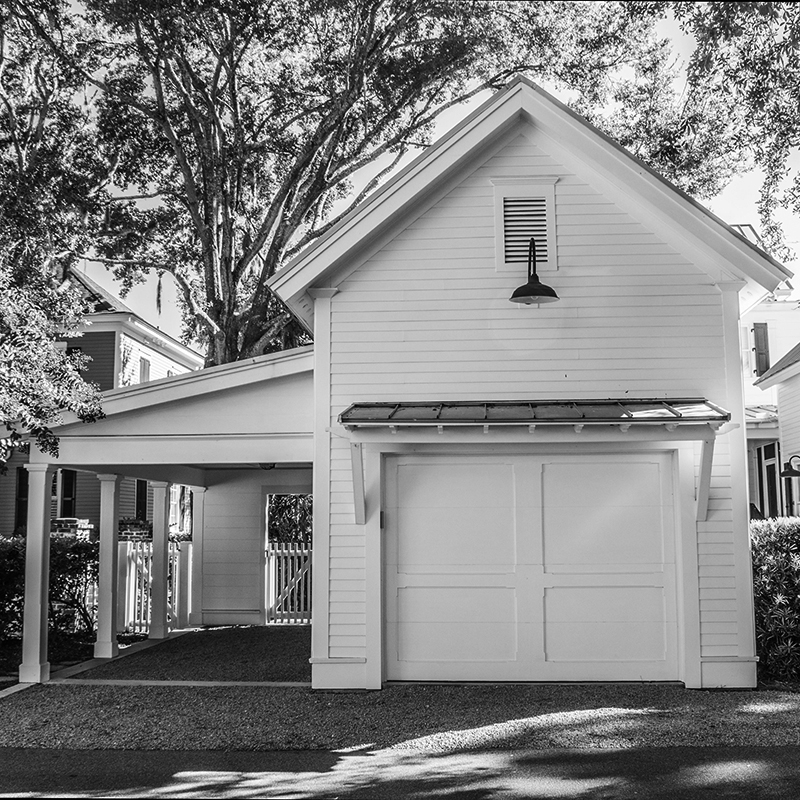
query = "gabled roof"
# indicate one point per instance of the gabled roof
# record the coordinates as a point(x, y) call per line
point(101, 299)
point(204, 381)
point(783, 369)
point(716, 247)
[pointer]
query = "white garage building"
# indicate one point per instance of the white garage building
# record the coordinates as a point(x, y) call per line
point(519, 492)
point(503, 491)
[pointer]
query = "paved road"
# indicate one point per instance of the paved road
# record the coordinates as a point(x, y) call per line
point(674, 773)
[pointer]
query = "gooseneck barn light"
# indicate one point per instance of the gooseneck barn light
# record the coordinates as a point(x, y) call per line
point(791, 468)
point(534, 291)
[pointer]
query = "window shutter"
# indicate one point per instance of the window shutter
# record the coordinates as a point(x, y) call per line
point(761, 347)
point(523, 218)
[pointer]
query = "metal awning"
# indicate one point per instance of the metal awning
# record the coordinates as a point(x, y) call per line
point(680, 419)
point(623, 412)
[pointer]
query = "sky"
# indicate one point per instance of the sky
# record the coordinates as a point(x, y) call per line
point(736, 205)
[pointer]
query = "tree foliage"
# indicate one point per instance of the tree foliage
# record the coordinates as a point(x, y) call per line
point(50, 184)
point(242, 131)
point(692, 138)
point(289, 518)
point(748, 53)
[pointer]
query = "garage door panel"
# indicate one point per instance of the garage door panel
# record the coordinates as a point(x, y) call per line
point(452, 604)
point(457, 643)
point(605, 641)
point(602, 481)
point(457, 537)
point(590, 604)
point(459, 486)
point(603, 535)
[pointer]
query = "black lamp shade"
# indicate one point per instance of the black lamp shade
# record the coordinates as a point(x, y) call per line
point(791, 468)
point(534, 291)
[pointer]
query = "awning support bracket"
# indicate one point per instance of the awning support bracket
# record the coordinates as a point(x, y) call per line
point(359, 497)
point(704, 484)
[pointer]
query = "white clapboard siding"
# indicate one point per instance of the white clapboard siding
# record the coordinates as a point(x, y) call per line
point(428, 318)
point(233, 551)
point(789, 403)
point(132, 351)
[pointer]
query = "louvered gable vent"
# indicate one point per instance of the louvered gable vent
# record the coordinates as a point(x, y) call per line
point(523, 218)
point(524, 207)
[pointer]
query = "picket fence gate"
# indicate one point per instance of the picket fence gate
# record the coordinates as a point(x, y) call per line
point(134, 578)
point(289, 583)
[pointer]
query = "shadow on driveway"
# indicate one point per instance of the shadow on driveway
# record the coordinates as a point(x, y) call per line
point(673, 773)
point(231, 653)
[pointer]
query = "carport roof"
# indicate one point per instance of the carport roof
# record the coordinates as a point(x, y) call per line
point(622, 411)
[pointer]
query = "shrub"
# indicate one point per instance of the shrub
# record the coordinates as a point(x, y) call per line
point(74, 568)
point(776, 583)
point(12, 585)
point(74, 565)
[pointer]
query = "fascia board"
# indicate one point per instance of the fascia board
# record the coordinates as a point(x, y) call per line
point(204, 381)
point(668, 206)
point(486, 122)
point(778, 378)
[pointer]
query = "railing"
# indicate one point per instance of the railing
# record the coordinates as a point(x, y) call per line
point(288, 583)
point(134, 575)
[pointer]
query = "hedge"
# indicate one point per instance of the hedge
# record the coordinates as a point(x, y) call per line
point(776, 582)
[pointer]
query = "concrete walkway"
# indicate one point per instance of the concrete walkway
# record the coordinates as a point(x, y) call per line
point(669, 773)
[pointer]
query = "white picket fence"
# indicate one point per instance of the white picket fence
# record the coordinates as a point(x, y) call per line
point(288, 583)
point(288, 590)
point(134, 576)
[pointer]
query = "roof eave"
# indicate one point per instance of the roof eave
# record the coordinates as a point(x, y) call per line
point(203, 381)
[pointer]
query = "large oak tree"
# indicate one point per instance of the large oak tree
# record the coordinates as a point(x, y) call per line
point(51, 185)
point(244, 129)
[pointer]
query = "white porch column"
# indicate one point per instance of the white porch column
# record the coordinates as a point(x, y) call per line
point(35, 667)
point(159, 627)
point(106, 642)
point(198, 524)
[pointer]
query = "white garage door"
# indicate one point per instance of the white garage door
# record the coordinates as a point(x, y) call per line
point(527, 568)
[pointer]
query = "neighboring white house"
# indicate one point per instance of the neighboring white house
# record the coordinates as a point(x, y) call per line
point(781, 379)
point(769, 331)
point(125, 350)
point(502, 492)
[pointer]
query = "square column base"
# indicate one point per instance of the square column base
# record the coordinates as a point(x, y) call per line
point(34, 673)
point(158, 632)
point(106, 649)
point(733, 673)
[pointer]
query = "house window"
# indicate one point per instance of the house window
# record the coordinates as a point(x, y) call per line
point(760, 348)
point(144, 370)
point(141, 500)
point(525, 209)
point(69, 481)
point(769, 483)
point(21, 499)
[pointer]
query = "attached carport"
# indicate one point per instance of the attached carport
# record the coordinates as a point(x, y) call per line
point(234, 434)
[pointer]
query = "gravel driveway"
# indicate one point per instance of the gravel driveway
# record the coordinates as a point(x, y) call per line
point(432, 718)
point(423, 717)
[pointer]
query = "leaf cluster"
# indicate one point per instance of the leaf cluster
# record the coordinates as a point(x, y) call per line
point(51, 186)
point(775, 545)
point(289, 518)
point(748, 53)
